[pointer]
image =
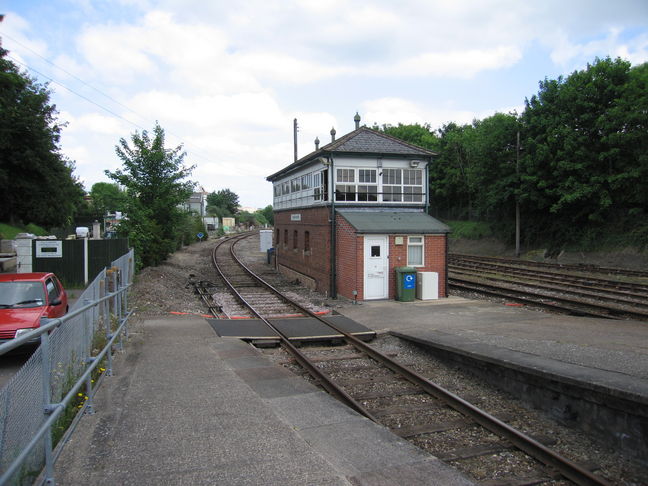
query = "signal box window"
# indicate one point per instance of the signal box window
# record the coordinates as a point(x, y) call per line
point(415, 251)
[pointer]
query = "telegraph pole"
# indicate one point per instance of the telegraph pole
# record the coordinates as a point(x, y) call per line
point(517, 196)
point(295, 137)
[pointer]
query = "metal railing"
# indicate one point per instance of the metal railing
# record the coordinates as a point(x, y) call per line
point(40, 405)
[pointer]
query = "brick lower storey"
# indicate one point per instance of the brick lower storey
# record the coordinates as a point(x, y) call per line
point(302, 241)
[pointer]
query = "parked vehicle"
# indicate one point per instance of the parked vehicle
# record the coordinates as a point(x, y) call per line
point(25, 298)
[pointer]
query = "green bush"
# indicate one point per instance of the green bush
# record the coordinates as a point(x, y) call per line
point(37, 230)
point(9, 232)
point(471, 230)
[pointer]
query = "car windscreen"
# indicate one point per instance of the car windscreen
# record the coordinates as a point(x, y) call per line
point(21, 294)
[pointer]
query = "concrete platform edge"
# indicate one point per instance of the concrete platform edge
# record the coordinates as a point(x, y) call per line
point(611, 383)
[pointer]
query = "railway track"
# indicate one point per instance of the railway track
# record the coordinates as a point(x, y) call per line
point(387, 392)
point(586, 268)
point(560, 290)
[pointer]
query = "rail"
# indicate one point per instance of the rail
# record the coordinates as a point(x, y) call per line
point(564, 466)
point(325, 381)
point(550, 287)
point(42, 404)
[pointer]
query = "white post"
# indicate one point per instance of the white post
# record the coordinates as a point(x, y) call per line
point(96, 230)
point(85, 261)
point(24, 261)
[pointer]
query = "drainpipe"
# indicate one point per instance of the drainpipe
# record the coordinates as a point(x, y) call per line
point(333, 286)
point(427, 186)
point(446, 265)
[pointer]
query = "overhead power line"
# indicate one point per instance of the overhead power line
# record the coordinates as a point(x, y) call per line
point(73, 76)
point(49, 78)
point(91, 101)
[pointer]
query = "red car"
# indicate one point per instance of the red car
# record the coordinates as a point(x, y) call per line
point(25, 298)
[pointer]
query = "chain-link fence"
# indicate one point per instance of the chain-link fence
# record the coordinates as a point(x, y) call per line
point(56, 384)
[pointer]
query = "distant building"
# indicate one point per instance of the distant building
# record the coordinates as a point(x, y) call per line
point(228, 223)
point(351, 212)
point(197, 202)
point(248, 209)
point(111, 220)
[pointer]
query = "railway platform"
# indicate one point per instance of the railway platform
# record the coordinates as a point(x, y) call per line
point(606, 345)
point(188, 407)
point(589, 372)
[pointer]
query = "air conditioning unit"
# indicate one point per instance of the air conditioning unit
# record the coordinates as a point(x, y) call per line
point(427, 285)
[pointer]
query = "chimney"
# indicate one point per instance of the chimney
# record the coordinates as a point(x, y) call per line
point(356, 119)
point(317, 143)
point(333, 134)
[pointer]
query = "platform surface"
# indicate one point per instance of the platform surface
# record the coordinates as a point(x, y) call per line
point(295, 328)
point(187, 407)
point(605, 352)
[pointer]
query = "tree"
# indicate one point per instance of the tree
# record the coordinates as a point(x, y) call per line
point(226, 200)
point(37, 179)
point(246, 218)
point(268, 214)
point(420, 135)
point(154, 178)
point(107, 198)
point(585, 149)
point(494, 171)
point(452, 182)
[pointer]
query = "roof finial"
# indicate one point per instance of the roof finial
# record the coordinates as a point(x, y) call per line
point(356, 119)
point(333, 134)
point(317, 142)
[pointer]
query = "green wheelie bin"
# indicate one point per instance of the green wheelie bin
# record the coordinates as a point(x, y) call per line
point(405, 284)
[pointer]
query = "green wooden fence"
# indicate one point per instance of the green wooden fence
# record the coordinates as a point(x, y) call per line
point(67, 258)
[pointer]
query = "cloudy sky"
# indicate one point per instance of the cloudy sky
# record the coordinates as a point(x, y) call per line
point(227, 78)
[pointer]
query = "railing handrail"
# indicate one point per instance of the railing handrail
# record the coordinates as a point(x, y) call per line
point(58, 408)
point(102, 305)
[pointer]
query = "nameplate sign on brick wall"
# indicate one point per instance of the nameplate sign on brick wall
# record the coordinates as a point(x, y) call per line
point(49, 249)
point(295, 217)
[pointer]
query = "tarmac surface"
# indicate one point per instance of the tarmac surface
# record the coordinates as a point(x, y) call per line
point(188, 407)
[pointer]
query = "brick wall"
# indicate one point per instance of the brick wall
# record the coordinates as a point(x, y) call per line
point(349, 260)
point(434, 260)
point(314, 263)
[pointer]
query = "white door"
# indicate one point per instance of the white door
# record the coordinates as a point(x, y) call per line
point(376, 275)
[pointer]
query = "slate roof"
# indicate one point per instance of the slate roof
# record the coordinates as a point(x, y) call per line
point(360, 141)
point(366, 140)
point(390, 222)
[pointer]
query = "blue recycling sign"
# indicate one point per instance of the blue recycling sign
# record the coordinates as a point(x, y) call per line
point(409, 282)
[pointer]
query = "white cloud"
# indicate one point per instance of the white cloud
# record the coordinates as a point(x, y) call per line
point(17, 39)
point(635, 51)
point(125, 51)
point(392, 111)
point(211, 112)
point(462, 64)
point(282, 67)
point(94, 123)
point(567, 53)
